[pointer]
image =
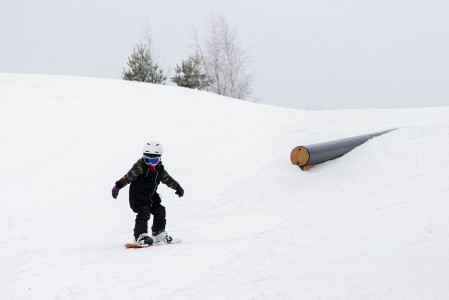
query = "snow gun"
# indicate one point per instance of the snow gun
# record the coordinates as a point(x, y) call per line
point(307, 157)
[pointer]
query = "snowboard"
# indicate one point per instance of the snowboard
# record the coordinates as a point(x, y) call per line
point(137, 246)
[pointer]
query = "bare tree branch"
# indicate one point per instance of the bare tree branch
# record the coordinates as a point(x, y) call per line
point(224, 59)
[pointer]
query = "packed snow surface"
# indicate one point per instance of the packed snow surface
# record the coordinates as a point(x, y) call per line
point(373, 224)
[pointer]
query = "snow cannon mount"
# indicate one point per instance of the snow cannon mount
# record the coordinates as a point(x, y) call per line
point(307, 157)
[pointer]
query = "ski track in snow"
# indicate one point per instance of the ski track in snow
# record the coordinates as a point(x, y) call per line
point(370, 225)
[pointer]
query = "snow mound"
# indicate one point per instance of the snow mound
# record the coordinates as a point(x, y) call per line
point(372, 224)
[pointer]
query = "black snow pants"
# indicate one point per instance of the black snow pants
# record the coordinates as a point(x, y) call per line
point(144, 210)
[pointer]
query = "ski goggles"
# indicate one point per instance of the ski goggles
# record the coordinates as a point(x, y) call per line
point(151, 160)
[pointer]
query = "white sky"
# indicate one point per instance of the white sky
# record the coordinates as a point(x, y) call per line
point(315, 54)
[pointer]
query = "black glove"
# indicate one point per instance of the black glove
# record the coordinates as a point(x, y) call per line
point(179, 191)
point(115, 190)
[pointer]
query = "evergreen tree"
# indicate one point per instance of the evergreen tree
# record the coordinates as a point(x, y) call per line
point(142, 66)
point(190, 75)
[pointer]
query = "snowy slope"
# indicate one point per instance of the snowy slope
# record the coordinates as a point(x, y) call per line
point(372, 224)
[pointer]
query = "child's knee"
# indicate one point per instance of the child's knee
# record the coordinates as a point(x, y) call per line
point(160, 213)
point(143, 213)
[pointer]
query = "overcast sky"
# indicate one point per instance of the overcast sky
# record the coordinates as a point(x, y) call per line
point(315, 54)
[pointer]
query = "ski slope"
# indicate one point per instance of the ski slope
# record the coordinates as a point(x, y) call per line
point(373, 224)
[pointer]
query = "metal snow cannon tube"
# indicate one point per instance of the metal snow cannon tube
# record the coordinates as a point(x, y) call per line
point(308, 156)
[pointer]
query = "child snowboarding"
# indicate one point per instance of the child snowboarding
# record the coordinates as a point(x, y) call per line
point(144, 178)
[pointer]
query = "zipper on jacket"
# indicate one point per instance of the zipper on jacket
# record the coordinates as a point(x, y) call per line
point(155, 184)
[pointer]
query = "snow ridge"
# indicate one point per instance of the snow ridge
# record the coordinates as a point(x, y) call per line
point(370, 225)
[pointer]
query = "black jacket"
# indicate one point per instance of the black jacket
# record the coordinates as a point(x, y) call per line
point(144, 181)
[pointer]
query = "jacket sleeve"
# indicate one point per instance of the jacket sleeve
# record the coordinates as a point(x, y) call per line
point(168, 180)
point(129, 177)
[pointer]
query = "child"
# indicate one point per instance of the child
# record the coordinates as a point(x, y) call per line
point(144, 178)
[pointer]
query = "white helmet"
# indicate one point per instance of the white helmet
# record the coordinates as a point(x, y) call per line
point(152, 147)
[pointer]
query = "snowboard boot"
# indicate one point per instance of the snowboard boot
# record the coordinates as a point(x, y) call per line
point(144, 239)
point(161, 237)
